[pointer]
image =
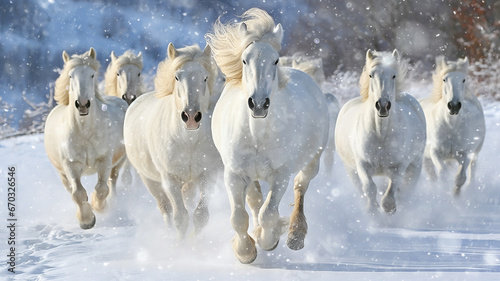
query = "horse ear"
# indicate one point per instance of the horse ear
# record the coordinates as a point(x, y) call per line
point(65, 57)
point(207, 51)
point(369, 55)
point(113, 56)
point(172, 52)
point(243, 28)
point(278, 31)
point(92, 53)
point(466, 61)
point(139, 55)
point(440, 63)
point(395, 54)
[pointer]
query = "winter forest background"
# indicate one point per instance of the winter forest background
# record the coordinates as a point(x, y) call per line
point(33, 34)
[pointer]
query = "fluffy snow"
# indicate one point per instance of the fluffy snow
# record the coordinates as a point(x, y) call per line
point(432, 236)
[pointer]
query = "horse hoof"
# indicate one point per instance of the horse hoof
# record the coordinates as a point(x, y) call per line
point(295, 241)
point(390, 210)
point(273, 247)
point(88, 226)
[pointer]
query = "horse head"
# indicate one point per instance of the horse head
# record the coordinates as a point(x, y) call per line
point(260, 73)
point(382, 71)
point(128, 78)
point(82, 82)
point(191, 90)
point(454, 76)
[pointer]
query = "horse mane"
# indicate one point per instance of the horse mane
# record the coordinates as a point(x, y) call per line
point(61, 91)
point(165, 78)
point(110, 76)
point(228, 41)
point(443, 67)
point(388, 59)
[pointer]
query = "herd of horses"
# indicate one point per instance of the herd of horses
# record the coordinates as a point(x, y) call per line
point(271, 120)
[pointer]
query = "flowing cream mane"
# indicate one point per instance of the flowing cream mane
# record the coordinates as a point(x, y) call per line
point(165, 78)
point(61, 91)
point(228, 41)
point(387, 59)
point(110, 76)
point(443, 67)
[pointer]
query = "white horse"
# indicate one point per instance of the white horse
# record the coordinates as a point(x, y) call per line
point(168, 136)
point(455, 122)
point(123, 76)
point(382, 132)
point(314, 67)
point(269, 122)
point(84, 134)
point(123, 79)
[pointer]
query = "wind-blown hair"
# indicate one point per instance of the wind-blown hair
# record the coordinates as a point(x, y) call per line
point(165, 77)
point(388, 59)
point(110, 76)
point(229, 41)
point(61, 91)
point(443, 67)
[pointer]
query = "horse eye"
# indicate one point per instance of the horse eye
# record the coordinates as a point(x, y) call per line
point(71, 76)
point(444, 80)
point(244, 62)
point(276, 62)
point(118, 74)
point(92, 76)
point(176, 78)
point(463, 81)
point(370, 75)
point(139, 74)
point(393, 77)
point(205, 80)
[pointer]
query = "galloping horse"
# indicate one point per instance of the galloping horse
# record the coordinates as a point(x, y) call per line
point(455, 122)
point(123, 79)
point(382, 132)
point(168, 135)
point(84, 134)
point(123, 76)
point(269, 122)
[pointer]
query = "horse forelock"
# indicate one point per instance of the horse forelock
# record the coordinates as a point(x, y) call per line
point(61, 91)
point(228, 42)
point(165, 75)
point(441, 70)
point(386, 59)
point(110, 77)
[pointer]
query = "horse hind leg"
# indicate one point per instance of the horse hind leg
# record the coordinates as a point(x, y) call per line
point(461, 177)
point(430, 168)
point(298, 224)
point(162, 200)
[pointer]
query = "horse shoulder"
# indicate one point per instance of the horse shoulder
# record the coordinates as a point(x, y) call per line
point(413, 105)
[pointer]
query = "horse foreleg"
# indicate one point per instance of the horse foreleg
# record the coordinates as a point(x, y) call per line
point(255, 201)
point(101, 190)
point(396, 178)
point(437, 160)
point(461, 177)
point(156, 189)
point(173, 188)
point(298, 224)
point(368, 186)
point(84, 213)
point(271, 226)
point(243, 244)
point(430, 168)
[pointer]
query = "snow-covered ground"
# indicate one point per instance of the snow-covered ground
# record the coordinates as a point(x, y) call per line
point(432, 236)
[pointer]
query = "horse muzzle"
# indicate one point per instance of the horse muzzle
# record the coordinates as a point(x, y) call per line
point(454, 107)
point(129, 98)
point(191, 120)
point(83, 109)
point(259, 110)
point(383, 108)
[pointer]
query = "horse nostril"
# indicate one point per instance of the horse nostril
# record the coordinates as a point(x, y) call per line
point(266, 104)
point(124, 97)
point(459, 105)
point(377, 105)
point(197, 117)
point(388, 105)
point(184, 116)
point(449, 105)
point(251, 103)
point(133, 97)
point(87, 105)
point(77, 104)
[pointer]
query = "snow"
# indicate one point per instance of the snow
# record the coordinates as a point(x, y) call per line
point(432, 236)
